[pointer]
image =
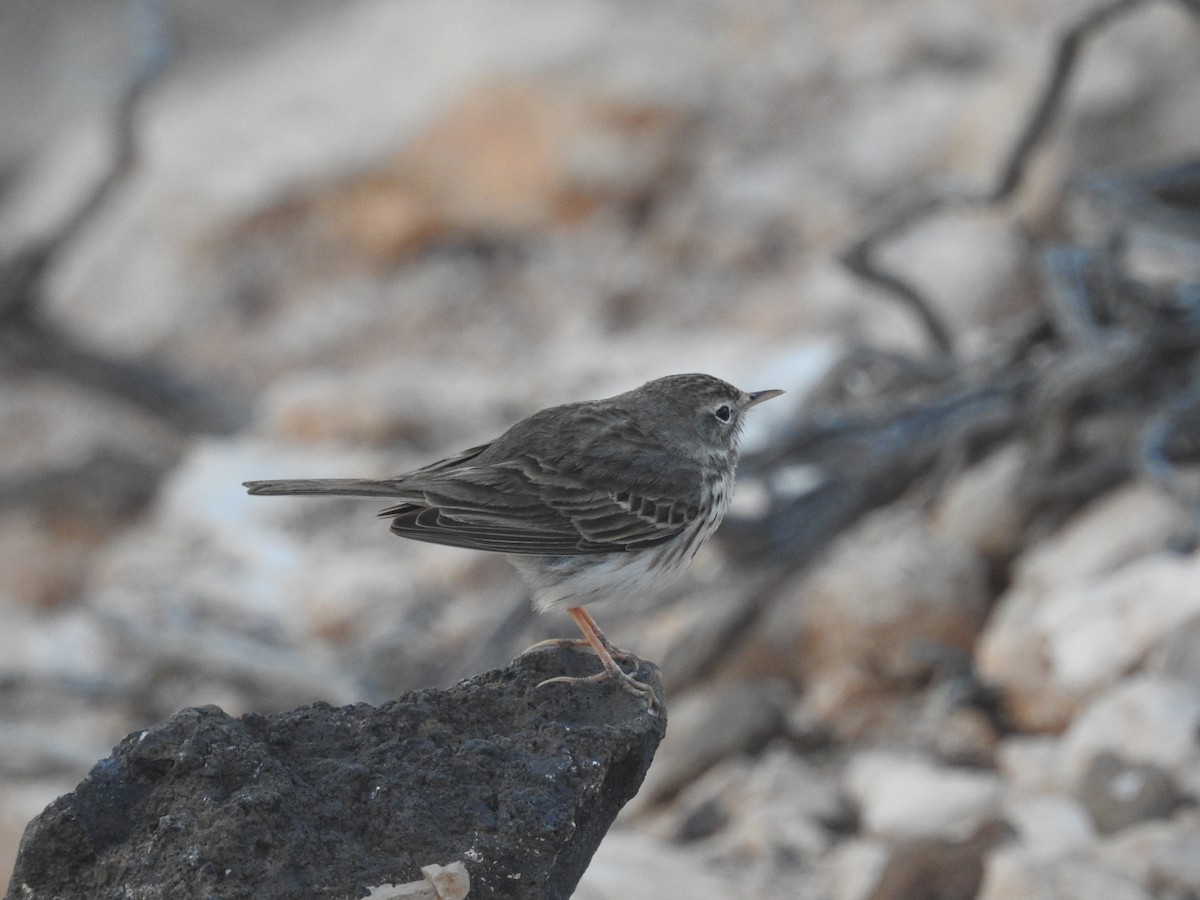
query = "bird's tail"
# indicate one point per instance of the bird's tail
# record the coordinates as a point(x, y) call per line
point(341, 487)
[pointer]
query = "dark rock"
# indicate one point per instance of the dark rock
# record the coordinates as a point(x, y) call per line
point(518, 782)
point(1118, 793)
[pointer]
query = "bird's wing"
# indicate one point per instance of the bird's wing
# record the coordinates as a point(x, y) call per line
point(524, 506)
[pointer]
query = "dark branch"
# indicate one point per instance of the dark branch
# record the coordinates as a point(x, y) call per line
point(861, 256)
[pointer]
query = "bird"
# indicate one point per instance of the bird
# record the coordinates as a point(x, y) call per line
point(589, 500)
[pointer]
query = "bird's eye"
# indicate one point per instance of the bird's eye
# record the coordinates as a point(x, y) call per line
point(722, 412)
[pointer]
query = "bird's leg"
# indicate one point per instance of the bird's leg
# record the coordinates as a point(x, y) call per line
point(595, 638)
point(613, 651)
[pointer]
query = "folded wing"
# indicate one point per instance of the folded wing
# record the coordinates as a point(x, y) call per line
point(523, 506)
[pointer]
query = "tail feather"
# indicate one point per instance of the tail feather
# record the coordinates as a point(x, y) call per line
point(341, 487)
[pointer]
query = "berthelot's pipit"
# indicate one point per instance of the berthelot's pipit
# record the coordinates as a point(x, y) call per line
point(589, 501)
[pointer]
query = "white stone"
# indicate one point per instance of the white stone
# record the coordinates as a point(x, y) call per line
point(1143, 719)
point(909, 797)
point(868, 615)
point(1059, 637)
point(1159, 852)
point(1011, 655)
point(1017, 874)
point(1050, 825)
point(855, 867)
point(978, 257)
point(775, 801)
point(982, 506)
point(450, 881)
point(1099, 630)
point(1128, 523)
point(631, 866)
point(412, 890)
point(1031, 764)
point(710, 725)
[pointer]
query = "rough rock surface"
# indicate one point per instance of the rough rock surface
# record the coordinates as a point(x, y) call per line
point(518, 782)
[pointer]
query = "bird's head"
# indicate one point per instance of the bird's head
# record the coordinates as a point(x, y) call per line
point(705, 408)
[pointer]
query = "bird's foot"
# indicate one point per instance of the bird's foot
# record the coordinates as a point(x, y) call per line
point(628, 683)
point(605, 652)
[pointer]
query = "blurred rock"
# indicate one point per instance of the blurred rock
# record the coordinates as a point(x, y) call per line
point(274, 572)
point(75, 467)
point(938, 869)
point(965, 737)
point(908, 797)
point(1130, 523)
point(1012, 655)
point(171, 667)
point(888, 606)
point(510, 157)
point(1019, 874)
point(40, 568)
point(324, 801)
point(980, 261)
point(67, 643)
point(1179, 657)
point(1140, 720)
point(1118, 794)
point(478, 157)
point(387, 405)
point(1049, 825)
point(1087, 606)
point(708, 726)
point(50, 423)
point(761, 807)
point(692, 635)
point(634, 866)
point(1032, 764)
point(983, 506)
point(855, 866)
point(1164, 855)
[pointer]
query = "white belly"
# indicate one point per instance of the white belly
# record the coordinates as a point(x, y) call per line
point(590, 578)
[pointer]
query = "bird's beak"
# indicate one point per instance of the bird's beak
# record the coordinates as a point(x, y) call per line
point(759, 396)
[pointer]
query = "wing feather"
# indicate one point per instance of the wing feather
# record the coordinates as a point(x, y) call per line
point(525, 506)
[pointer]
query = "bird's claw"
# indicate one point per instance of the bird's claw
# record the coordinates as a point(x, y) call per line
point(628, 683)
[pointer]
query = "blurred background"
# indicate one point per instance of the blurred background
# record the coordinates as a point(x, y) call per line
point(253, 239)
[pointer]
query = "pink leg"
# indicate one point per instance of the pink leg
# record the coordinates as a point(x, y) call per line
point(595, 639)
